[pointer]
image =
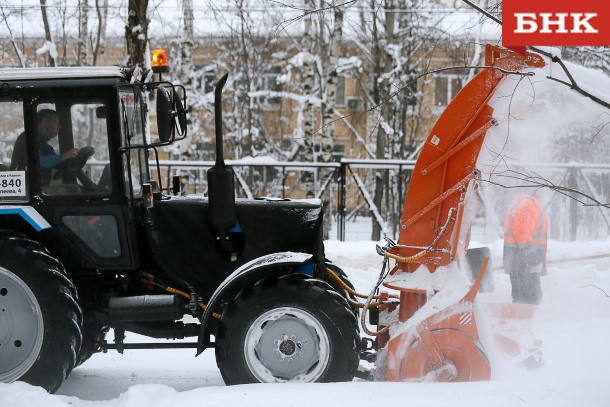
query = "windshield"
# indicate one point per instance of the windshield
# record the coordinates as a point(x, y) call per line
point(133, 134)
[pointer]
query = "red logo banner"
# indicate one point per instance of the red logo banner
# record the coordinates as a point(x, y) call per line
point(555, 22)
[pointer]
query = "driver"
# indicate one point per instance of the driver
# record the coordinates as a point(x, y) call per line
point(48, 128)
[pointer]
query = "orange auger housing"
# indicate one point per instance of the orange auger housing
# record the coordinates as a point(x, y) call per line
point(434, 233)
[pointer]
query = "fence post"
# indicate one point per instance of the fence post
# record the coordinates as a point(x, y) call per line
point(341, 209)
point(399, 203)
point(283, 181)
point(169, 176)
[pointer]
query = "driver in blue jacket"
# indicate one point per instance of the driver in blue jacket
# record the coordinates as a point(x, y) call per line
point(48, 128)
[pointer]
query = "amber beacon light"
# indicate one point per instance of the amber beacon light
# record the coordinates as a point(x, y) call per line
point(159, 61)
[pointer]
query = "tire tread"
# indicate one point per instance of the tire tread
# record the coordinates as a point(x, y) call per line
point(58, 299)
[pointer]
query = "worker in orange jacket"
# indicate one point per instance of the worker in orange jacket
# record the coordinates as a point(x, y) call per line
point(525, 243)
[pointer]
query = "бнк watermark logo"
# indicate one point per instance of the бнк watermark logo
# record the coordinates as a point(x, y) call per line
point(555, 22)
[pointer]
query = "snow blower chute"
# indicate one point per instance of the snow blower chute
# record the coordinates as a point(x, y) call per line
point(442, 343)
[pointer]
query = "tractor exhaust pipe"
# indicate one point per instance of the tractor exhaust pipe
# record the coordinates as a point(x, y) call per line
point(221, 189)
point(218, 119)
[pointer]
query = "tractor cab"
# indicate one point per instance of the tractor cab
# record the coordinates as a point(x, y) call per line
point(74, 148)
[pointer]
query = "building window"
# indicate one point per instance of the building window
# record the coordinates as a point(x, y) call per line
point(340, 95)
point(445, 89)
point(269, 83)
point(205, 78)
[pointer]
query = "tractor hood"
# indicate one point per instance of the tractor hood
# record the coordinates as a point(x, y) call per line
point(182, 244)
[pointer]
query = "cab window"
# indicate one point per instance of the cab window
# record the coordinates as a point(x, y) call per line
point(72, 148)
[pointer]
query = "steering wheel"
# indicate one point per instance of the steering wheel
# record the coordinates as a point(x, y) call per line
point(83, 155)
point(73, 167)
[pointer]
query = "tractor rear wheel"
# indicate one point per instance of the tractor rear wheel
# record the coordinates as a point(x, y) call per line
point(287, 329)
point(40, 317)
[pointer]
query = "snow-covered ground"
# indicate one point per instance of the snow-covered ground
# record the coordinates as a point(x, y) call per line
point(573, 321)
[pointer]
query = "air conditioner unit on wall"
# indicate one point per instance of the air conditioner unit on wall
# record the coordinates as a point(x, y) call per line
point(354, 104)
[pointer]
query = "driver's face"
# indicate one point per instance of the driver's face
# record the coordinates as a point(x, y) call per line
point(50, 126)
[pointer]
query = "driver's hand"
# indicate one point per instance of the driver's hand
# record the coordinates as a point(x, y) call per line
point(71, 153)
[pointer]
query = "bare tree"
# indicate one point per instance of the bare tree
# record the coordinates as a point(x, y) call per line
point(244, 122)
point(18, 52)
point(82, 54)
point(136, 32)
point(328, 101)
point(397, 39)
point(187, 43)
point(184, 74)
point(308, 78)
point(62, 18)
point(101, 8)
point(255, 117)
point(49, 44)
point(382, 65)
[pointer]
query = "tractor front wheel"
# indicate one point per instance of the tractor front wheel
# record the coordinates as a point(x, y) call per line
point(287, 329)
point(40, 317)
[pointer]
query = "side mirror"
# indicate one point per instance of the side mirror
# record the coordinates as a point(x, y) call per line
point(180, 113)
point(164, 114)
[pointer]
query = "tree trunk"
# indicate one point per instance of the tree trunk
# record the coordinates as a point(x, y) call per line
point(245, 130)
point(384, 64)
point(328, 108)
point(185, 70)
point(47, 32)
point(136, 32)
point(100, 41)
point(307, 178)
point(83, 28)
point(62, 14)
point(186, 60)
point(331, 87)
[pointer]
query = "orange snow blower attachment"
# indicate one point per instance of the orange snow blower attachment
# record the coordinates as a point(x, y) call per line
point(434, 232)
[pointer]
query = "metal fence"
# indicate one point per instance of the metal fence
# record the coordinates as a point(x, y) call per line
point(347, 190)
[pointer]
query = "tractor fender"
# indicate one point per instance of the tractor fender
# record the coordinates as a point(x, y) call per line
point(255, 269)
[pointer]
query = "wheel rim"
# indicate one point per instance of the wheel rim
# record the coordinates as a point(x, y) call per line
point(21, 327)
point(287, 344)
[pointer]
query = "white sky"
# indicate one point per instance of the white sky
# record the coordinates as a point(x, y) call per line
point(212, 17)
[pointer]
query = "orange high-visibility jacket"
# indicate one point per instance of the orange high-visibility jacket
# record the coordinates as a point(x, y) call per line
point(526, 222)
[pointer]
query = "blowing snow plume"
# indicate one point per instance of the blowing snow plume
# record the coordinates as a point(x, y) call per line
point(548, 139)
point(553, 142)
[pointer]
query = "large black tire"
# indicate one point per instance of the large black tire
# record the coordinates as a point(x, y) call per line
point(93, 339)
point(287, 329)
point(345, 279)
point(41, 319)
